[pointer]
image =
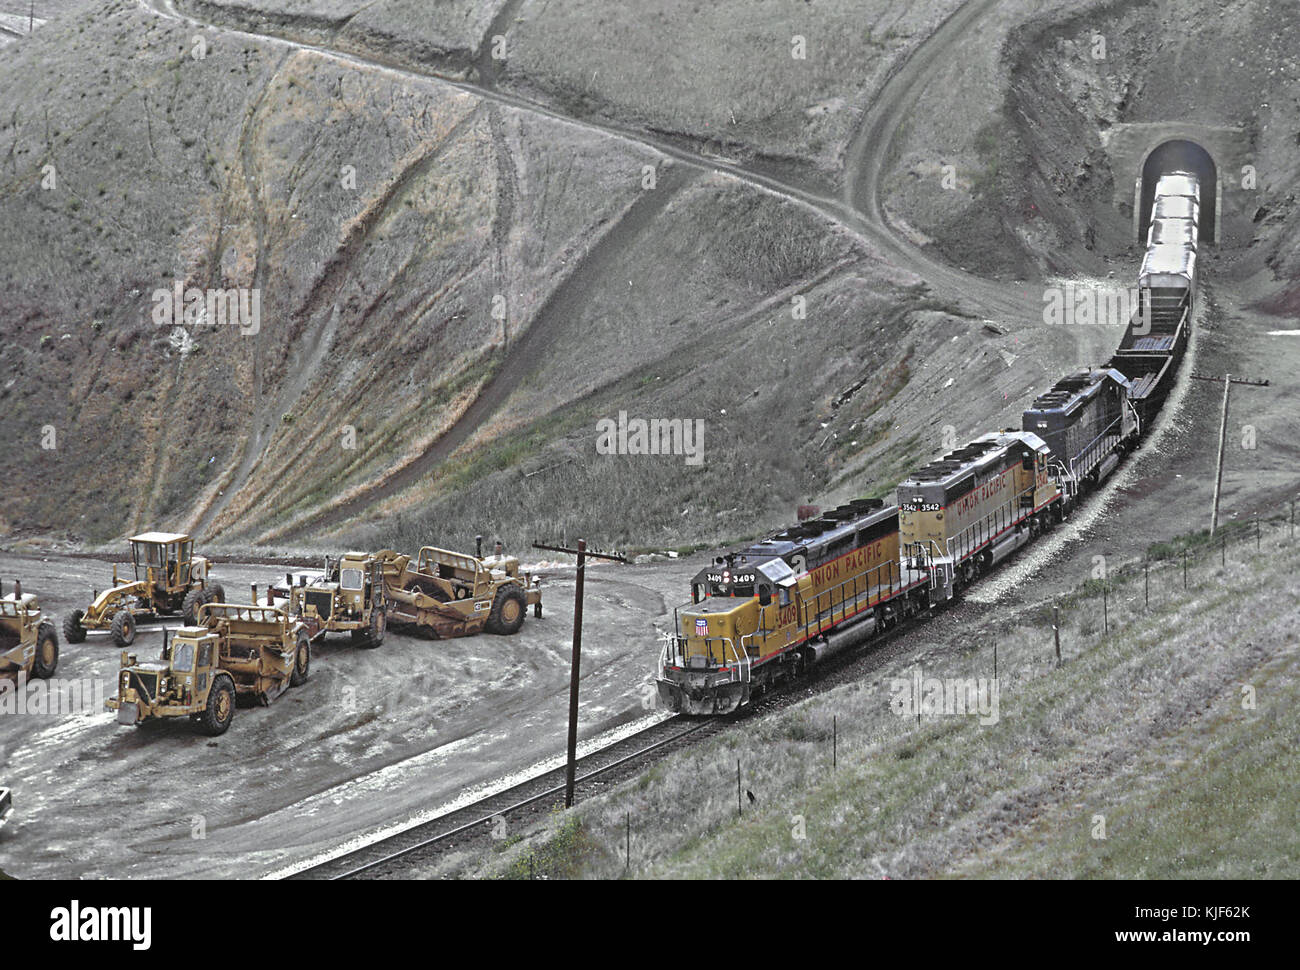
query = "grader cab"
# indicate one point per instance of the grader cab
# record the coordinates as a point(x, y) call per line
point(28, 644)
point(233, 651)
point(454, 595)
point(167, 579)
point(350, 596)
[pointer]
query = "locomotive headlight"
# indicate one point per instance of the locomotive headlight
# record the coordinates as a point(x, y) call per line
point(126, 680)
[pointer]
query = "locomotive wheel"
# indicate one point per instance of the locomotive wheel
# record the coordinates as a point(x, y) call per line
point(508, 611)
point(72, 628)
point(124, 628)
point(301, 661)
point(47, 652)
point(220, 709)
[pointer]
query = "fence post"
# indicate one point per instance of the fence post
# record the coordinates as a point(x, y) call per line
point(739, 809)
point(1184, 569)
point(1056, 630)
point(1105, 608)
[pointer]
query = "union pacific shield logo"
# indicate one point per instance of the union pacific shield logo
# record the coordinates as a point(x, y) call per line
point(701, 627)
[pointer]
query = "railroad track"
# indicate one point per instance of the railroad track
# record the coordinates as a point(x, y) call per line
point(474, 823)
point(421, 843)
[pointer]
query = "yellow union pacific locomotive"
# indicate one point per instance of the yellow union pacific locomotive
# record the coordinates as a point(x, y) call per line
point(761, 615)
point(964, 513)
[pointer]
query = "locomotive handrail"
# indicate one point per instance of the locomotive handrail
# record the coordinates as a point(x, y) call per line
point(1105, 433)
point(824, 615)
point(956, 539)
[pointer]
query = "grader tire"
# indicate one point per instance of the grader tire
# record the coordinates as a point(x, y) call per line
point(47, 652)
point(216, 593)
point(374, 636)
point(508, 610)
point(124, 628)
point(301, 660)
point(72, 628)
point(220, 709)
point(190, 607)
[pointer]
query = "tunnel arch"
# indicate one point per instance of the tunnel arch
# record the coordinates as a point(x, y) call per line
point(1181, 153)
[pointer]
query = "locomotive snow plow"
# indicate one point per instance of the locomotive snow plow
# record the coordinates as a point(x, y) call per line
point(456, 595)
point(232, 651)
point(169, 578)
point(28, 643)
point(351, 596)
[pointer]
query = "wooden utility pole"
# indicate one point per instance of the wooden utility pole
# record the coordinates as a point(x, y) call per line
point(582, 554)
point(1228, 380)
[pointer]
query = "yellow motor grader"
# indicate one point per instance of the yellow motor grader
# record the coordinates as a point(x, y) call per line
point(454, 594)
point(28, 643)
point(350, 596)
point(232, 651)
point(168, 579)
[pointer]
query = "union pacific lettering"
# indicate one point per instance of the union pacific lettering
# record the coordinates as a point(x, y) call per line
point(833, 572)
point(974, 499)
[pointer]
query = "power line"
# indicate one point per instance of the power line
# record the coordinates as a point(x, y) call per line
point(1228, 380)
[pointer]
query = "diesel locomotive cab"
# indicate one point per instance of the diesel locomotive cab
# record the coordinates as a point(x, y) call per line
point(705, 667)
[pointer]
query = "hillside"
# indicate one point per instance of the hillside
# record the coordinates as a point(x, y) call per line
point(465, 261)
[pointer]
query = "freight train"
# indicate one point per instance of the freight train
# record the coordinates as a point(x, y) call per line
point(762, 615)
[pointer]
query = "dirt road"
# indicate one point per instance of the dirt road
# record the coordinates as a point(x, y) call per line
point(373, 737)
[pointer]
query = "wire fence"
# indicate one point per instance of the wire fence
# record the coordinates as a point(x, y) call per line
point(1137, 585)
point(1125, 592)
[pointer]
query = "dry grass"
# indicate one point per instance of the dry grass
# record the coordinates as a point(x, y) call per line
point(650, 63)
point(1145, 727)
